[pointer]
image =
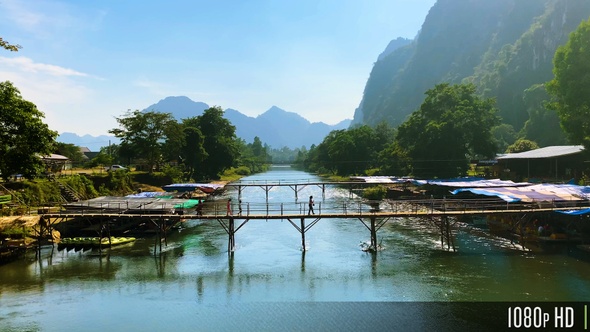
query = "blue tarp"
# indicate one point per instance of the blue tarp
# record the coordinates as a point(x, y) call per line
point(575, 212)
point(471, 182)
point(150, 194)
point(534, 193)
point(183, 187)
point(506, 198)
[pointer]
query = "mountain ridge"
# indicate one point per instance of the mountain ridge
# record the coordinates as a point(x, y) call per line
point(276, 127)
point(504, 47)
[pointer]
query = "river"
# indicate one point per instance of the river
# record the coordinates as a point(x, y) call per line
point(271, 284)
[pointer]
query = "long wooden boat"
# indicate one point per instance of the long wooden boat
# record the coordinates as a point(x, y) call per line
point(94, 242)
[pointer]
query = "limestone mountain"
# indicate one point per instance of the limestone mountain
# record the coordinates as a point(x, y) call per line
point(504, 47)
point(275, 127)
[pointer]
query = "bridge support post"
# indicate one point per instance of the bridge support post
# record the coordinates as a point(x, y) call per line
point(303, 233)
point(373, 234)
point(231, 243)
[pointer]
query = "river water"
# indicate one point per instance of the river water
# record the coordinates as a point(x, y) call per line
point(271, 284)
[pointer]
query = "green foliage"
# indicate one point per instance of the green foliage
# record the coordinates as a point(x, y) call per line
point(192, 152)
point(23, 135)
point(35, 193)
point(101, 159)
point(117, 183)
point(242, 170)
point(254, 156)
point(233, 174)
point(373, 172)
point(7, 46)
point(81, 185)
point(71, 151)
point(375, 193)
point(351, 151)
point(504, 135)
point(452, 126)
point(543, 124)
point(394, 160)
point(143, 135)
point(522, 145)
point(571, 84)
point(174, 173)
point(16, 232)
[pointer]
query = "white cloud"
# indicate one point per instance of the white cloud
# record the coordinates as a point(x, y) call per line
point(57, 91)
point(28, 65)
point(22, 15)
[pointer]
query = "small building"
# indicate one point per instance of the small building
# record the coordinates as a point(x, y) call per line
point(560, 163)
point(56, 162)
point(88, 155)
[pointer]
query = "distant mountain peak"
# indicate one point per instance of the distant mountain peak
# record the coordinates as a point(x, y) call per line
point(275, 127)
point(181, 107)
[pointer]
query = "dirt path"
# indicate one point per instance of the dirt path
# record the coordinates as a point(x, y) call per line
point(18, 221)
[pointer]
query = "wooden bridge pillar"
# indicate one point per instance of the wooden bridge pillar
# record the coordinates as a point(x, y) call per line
point(303, 233)
point(373, 234)
point(231, 243)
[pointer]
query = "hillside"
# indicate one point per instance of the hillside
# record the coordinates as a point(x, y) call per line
point(505, 47)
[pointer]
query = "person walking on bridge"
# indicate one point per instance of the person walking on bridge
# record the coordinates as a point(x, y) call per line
point(229, 207)
point(311, 204)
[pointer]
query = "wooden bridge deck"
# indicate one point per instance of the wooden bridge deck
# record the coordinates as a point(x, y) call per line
point(331, 215)
point(372, 217)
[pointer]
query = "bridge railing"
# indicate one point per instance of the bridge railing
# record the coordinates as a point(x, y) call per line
point(277, 182)
point(219, 208)
point(385, 206)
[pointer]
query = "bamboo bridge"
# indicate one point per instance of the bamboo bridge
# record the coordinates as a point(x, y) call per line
point(108, 217)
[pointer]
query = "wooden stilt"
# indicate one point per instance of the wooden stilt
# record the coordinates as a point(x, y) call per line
point(442, 234)
point(231, 233)
point(303, 233)
point(373, 234)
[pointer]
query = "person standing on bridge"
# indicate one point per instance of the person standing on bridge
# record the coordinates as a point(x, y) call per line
point(200, 208)
point(229, 207)
point(311, 204)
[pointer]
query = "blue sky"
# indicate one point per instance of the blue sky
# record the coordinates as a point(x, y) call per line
point(84, 63)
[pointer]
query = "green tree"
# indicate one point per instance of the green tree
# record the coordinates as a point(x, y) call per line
point(504, 135)
point(7, 46)
point(220, 142)
point(571, 84)
point(143, 134)
point(351, 151)
point(193, 152)
point(71, 151)
point(522, 145)
point(394, 161)
point(543, 124)
point(452, 126)
point(23, 136)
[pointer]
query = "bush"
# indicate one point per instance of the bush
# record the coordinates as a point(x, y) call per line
point(373, 172)
point(375, 193)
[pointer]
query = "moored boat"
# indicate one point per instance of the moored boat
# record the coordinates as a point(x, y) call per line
point(90, 242)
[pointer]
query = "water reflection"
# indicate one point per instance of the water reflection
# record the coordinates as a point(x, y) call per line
point(195, 272)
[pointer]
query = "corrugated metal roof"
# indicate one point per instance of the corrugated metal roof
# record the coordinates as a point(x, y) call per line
point(54, 156)
point(546, 152)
